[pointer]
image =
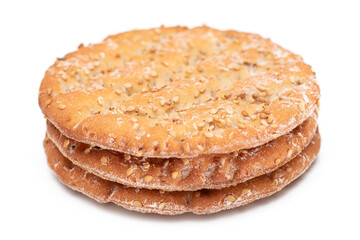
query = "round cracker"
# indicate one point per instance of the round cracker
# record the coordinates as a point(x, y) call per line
point(172, 203)
point(178, 92)
point(173, 174)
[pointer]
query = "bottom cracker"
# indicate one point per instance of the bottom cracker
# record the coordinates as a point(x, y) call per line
point(172, 203)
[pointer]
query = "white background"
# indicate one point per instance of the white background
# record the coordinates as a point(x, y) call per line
point(322, 203)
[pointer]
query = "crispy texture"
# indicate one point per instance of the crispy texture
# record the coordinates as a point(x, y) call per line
point(172, 203)
point(178, 92)
point(207, 171)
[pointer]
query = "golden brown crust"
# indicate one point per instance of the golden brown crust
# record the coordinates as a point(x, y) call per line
point(171, 203)
point(173, 174)
point(178, 92)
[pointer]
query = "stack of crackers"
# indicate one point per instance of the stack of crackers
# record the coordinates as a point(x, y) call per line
point(175, 120)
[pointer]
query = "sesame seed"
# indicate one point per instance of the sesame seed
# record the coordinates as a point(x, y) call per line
point(226, 95)
point(100, 101)
point(86, 151)
point(270, 118)
point(127, 156)
point(209, 119)
point(66, 143)
point(208, 134)
point(223, 122)
point(129, 171)
point(245, 191)
point(48, 102)
point(241, 126)
point(137, 204)
point(166, 64)
point(174, 174)
point(128, 85)
point(196, 93)
point(162, 102)
point(185, 161)
point(236, 153)
point(231, 198)
point(261, 89)
point(201, 125)
point(142, 111)
point(146, 165)
point(154, 108)
point(76, 163)
point(62, 106)
point(245, 113)
point(263, 94)
point(49, 91)
point(214, 111)
point(66, 168)
point(186, 147)
point(229, 176)
point(172, 133)
point(263, 116)
point(153, 74)
point(200, 147)
point(148, 178)
point(175, 99)
point(104, 160)
point(64, 76)
point(288, 169)
point(118, 92)
point(274, 125)
point(242, 95)
point(130, 109)
point(162, 205)
point(139, 154)
point(290, 152)
point(302, 107)
point(229, 110)
point(263, 122)
point(278, 160)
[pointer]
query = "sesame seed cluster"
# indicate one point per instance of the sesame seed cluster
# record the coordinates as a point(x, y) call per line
point(175, 120)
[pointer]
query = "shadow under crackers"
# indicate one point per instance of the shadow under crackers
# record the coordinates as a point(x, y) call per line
point(114, 209)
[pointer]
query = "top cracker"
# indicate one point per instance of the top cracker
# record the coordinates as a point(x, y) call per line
point(178, 92)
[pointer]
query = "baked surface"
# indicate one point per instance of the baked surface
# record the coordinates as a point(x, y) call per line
point(178, 92)
point(174, 174)
point(171, 203)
